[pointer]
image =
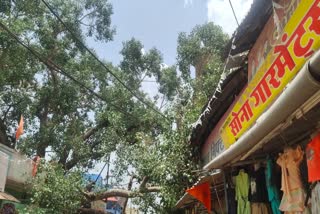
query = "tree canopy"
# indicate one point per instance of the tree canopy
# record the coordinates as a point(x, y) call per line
point(73, 128)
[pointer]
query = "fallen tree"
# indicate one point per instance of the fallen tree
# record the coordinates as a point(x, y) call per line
point(143, 188)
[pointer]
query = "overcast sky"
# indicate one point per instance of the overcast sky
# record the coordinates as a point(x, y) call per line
point(156, 23)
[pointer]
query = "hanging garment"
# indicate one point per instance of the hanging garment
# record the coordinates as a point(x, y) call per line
point(259, 208)
point(315, 199)
point(232, 203)
point(291, 185)
point(242, 192)
point(273, 193)
point(258, 190)
point(313, 159)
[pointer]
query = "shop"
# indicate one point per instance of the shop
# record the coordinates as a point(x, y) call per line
point(263, 132)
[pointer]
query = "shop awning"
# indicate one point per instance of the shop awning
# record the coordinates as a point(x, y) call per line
point(215, 179)
point(8, 197)
point(305, 85)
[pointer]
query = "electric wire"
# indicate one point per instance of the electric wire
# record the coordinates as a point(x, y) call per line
point(98, 60)
point(234, 14)
point(107, 162)
point(52, 65)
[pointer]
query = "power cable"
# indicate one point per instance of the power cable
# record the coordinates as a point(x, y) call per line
point(107, 162)
point(90, 186)
point(98, 60)
point(234, 14)
point(52, 65)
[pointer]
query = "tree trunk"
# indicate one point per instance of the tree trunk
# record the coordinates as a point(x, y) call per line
point(3, 134)
point(120, 193)
point(126, 200)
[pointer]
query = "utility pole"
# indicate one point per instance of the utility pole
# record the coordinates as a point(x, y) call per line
point(107, 178)
point(108, 170)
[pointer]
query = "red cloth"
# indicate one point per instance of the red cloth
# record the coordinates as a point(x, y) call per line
point(202, 193)
point(20, 128)
point(313, 159)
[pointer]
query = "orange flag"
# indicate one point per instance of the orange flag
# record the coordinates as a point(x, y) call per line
point(20, 128)
point(202, 193)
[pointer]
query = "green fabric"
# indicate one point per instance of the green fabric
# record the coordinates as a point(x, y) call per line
point(273, 193)
point(242, 191)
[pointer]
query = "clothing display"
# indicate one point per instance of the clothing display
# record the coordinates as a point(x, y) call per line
point(291, 185)
point(258, 190)
point(232, 203)
point(259, 208)
point(313, 159)
point(294, 172)
point(304, 173)
point(273, 192)
point(315, 199)
point(242, 193)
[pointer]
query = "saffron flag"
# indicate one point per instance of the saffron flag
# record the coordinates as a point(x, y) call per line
point(20, 128)
point(202, 193)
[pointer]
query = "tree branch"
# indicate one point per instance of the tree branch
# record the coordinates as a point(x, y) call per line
point(93, 130)
point(88, 25)
point(162, 102)
point(129, 188)
point(7, 111)
point(142, 79)
point(91, 196)
point(90, 132)
point(90, 211)
point(42, 114)
point(143, 184)
point(88, 14)
point(3, 134)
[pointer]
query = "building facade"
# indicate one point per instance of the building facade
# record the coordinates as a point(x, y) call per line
point(261, 129)
point(15, 170)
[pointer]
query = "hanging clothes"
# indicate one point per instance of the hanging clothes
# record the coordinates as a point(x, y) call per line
point(231, 197)
point(291, 185)
point(259, 208)
point(242, 192)
point(258, 192)
point(315, 199)
point(313, 159)
point(273, 193)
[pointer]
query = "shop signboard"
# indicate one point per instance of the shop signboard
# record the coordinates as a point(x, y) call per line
point(299, 40)
point(214, 149)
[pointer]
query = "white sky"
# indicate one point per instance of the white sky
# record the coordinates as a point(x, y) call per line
point(220, 12)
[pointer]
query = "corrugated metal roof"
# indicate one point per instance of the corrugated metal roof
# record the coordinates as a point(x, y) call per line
point(218, 104)
point(250, 28)
point(8, 197)
point(233, 79)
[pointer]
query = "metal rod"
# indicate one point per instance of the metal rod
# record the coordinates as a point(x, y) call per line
point(108, 170)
